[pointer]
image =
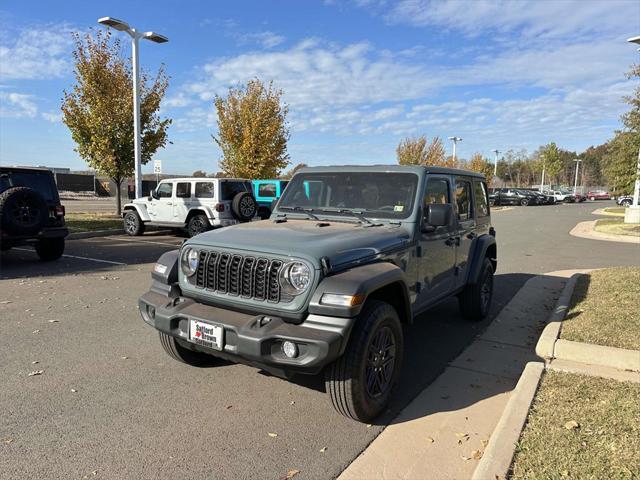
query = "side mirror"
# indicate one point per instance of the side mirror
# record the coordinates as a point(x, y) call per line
point(437, 215)
point(154, 194)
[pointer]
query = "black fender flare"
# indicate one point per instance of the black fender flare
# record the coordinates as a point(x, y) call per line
point(483, 244)
point(362, 281)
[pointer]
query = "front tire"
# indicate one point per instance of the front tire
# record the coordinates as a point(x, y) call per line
point(50, 249)
point(360, 383)
point(182, 354)
point(524, 202)
point(133, 224)
point(475, 300)
point(626, 203)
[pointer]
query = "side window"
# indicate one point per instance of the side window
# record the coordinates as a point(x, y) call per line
point(482, 204)
point(183, 190)
point(463, 199)
point(165, 190)
point(267, 190)
point(437, 191)
point(204, 190)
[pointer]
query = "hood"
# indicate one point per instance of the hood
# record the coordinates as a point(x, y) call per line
point(342, 242)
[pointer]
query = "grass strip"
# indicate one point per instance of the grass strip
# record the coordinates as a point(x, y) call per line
point(616, 226)
point(580, 427)
point(604, 309)
point(91, 222)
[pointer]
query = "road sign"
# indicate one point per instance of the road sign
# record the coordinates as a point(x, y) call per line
point(157, 166)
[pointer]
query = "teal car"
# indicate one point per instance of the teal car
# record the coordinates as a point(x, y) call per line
point(265, 193)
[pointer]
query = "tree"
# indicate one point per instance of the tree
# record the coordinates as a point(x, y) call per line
point(416, 151)
point(293, 171)
point(199, 174)
point(481, 165)
point(551, 161)
point(620, 162)
point(252, 131)
point(99, 109)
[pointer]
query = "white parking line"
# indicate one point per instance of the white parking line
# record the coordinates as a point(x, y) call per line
point(146, 241)
point(79, 258)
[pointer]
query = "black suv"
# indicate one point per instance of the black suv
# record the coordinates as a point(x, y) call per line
point(350, 256)
point(514, 196)
point(30, 211)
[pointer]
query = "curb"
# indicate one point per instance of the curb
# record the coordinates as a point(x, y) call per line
point(586, 230)
point(601, 211)
point(97, 233)
point(546, 342)
point(496, 460)
point(601, 355)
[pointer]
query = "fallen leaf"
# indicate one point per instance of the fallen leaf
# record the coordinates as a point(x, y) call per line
point(564, 473)
point(571, 425)
point(273, 435)
point(484, 442)
point(476, 454)
point(35, 331)
point(369, 425)
point(429, 439)
point(5, 302)
point(35, 362)
point(36, 372)
point(54, 321)
point(465, 458)
point(323, 449)
point(292, 403)
point(291, 474)
point(228, 407)
point(124, 358)
point(73, 390)
point(8, 440)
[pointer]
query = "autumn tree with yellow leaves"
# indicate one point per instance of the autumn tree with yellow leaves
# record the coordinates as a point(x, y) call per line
point(99, 109)
point(252, 131)
point(418, 151)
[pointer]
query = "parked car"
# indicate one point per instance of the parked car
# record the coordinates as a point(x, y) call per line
point(31, 212)
point(598, 195)
point(561, 195)
point(579, 197)
point(541, 198)
point(350, 257)
point(195, 204)
point(265, 193)
point(625, 200)
point(514, 196)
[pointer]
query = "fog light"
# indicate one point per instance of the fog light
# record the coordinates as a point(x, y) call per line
point(290, 349)
point(151, 311)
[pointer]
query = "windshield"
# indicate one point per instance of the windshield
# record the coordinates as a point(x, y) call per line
point(375, 194)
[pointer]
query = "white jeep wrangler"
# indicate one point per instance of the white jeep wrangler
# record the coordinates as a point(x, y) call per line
point(195, 204)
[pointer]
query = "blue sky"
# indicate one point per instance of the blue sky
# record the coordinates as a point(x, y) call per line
point(358, 75)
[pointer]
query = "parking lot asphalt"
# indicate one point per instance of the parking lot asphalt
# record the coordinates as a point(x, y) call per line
point(110, 401)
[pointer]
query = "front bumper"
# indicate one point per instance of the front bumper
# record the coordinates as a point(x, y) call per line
point(254, 339)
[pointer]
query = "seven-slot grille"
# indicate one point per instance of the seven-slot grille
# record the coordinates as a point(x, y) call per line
point(249, 277)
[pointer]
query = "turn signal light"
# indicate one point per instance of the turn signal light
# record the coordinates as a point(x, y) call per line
point(341, 300)
point(219, 207)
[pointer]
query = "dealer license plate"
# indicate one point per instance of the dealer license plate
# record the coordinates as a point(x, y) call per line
point(206, 334)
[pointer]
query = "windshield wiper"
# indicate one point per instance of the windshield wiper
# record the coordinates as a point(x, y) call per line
point(307, 211)
point(355, 213)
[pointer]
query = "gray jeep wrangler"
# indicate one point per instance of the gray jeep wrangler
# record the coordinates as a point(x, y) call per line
point(349, 257)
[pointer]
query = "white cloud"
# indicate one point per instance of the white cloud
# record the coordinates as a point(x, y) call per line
point(265, 39)
point(532, 18)
point(17, 105)
point(35, 53)
point(53, 117)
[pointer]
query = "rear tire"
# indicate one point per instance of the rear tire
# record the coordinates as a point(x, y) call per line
point(475, 300)
point(626, 203)
point(197, 225)
point(50, 249)
point(360, 383)
point(524, 202)
point(182, 354)
point(133, 224)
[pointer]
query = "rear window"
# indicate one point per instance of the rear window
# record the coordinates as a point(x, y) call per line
point(230, 188)
point(267, 190)
point(41, 182)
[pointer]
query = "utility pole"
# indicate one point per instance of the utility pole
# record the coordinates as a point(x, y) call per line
point(455, 140)
point(135, 36)
point(575, 183)
point(495, 164)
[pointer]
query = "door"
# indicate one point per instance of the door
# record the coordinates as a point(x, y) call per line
point(436, 254)
point(465, 228)
point(182, 201)
point(161, 207)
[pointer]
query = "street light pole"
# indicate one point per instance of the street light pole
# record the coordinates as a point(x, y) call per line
point(575, 183)
point(135, 37)
point(455, 140)
point(495, 164)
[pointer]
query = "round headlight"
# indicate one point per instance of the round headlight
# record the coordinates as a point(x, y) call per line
point(296, 278)
point(189, 262)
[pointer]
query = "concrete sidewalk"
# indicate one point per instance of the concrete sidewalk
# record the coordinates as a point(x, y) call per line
point(442, 433)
